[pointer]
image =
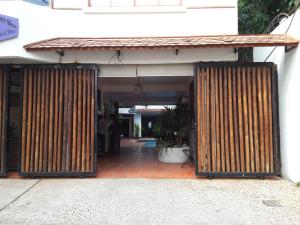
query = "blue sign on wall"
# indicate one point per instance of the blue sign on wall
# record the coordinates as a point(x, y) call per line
point(9, 27)
point(38, 2)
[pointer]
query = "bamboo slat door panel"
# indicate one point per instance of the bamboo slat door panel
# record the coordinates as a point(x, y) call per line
point(3, 120)
point(237, 119)
point(58, 127)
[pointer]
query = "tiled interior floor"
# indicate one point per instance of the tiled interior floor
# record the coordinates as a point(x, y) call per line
point(12, 175)
point(137, 161)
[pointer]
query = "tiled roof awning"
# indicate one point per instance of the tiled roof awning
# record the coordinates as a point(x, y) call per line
point(135, 43)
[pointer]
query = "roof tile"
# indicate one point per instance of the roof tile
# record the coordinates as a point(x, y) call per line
point(221, 41)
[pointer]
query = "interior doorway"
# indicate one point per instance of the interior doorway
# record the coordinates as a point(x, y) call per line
point(126, 126)
point(148, 122)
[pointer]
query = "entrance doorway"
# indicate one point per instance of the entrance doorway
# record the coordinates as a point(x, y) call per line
point(139, 107)
point(236, 121)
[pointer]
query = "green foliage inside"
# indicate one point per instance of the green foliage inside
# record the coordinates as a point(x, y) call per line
point(171, 128)
point(298, 184)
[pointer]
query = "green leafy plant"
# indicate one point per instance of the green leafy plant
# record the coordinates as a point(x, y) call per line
point(136, 130)
point(171, 127)
point(259, 16)
point(298, 184)
point(255, 16)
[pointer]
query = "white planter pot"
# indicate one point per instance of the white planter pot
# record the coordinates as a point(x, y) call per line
point(172, 155)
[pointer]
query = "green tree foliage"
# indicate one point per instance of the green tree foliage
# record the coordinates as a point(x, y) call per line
point(258, 17)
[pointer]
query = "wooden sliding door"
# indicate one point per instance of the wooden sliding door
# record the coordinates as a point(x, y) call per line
point(237, 119)
point(59, 121)
point(3, 120)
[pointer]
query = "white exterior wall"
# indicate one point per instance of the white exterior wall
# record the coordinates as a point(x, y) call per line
point(193, 18)
point(105, 4)
point(148, 56)
point(289, 94)
point(137, 119)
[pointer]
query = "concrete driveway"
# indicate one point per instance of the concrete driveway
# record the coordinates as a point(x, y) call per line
point(146, 201)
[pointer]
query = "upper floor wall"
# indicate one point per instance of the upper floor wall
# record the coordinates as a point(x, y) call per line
point(140, 4)
point(93, 18)
point(113, 18)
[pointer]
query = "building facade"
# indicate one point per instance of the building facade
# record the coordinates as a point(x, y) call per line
point(77, 60)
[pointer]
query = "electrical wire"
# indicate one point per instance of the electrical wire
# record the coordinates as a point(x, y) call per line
point(119, 56)
point(111, 58)
point(286, 31)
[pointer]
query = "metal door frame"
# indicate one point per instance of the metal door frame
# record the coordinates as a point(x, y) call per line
point(5, 170)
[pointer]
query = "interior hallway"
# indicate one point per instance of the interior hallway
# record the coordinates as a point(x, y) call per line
point(137, 161)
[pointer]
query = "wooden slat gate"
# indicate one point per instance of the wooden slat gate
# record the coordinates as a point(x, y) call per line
point(3, 119)
point(237, 119)
point(59, 120)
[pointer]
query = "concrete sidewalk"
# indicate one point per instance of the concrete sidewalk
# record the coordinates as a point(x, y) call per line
point(146, 201)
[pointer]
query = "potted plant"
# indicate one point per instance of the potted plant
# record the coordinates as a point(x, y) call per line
point(170, 131)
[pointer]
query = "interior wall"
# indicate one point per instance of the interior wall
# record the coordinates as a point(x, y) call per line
point(289, 95)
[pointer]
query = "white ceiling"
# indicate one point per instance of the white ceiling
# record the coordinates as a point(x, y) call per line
point(156, 90)
point(157, 80)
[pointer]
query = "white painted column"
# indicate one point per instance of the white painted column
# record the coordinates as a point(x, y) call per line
point(137, 118)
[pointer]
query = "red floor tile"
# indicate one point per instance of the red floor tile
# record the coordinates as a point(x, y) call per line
point(135, 161)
